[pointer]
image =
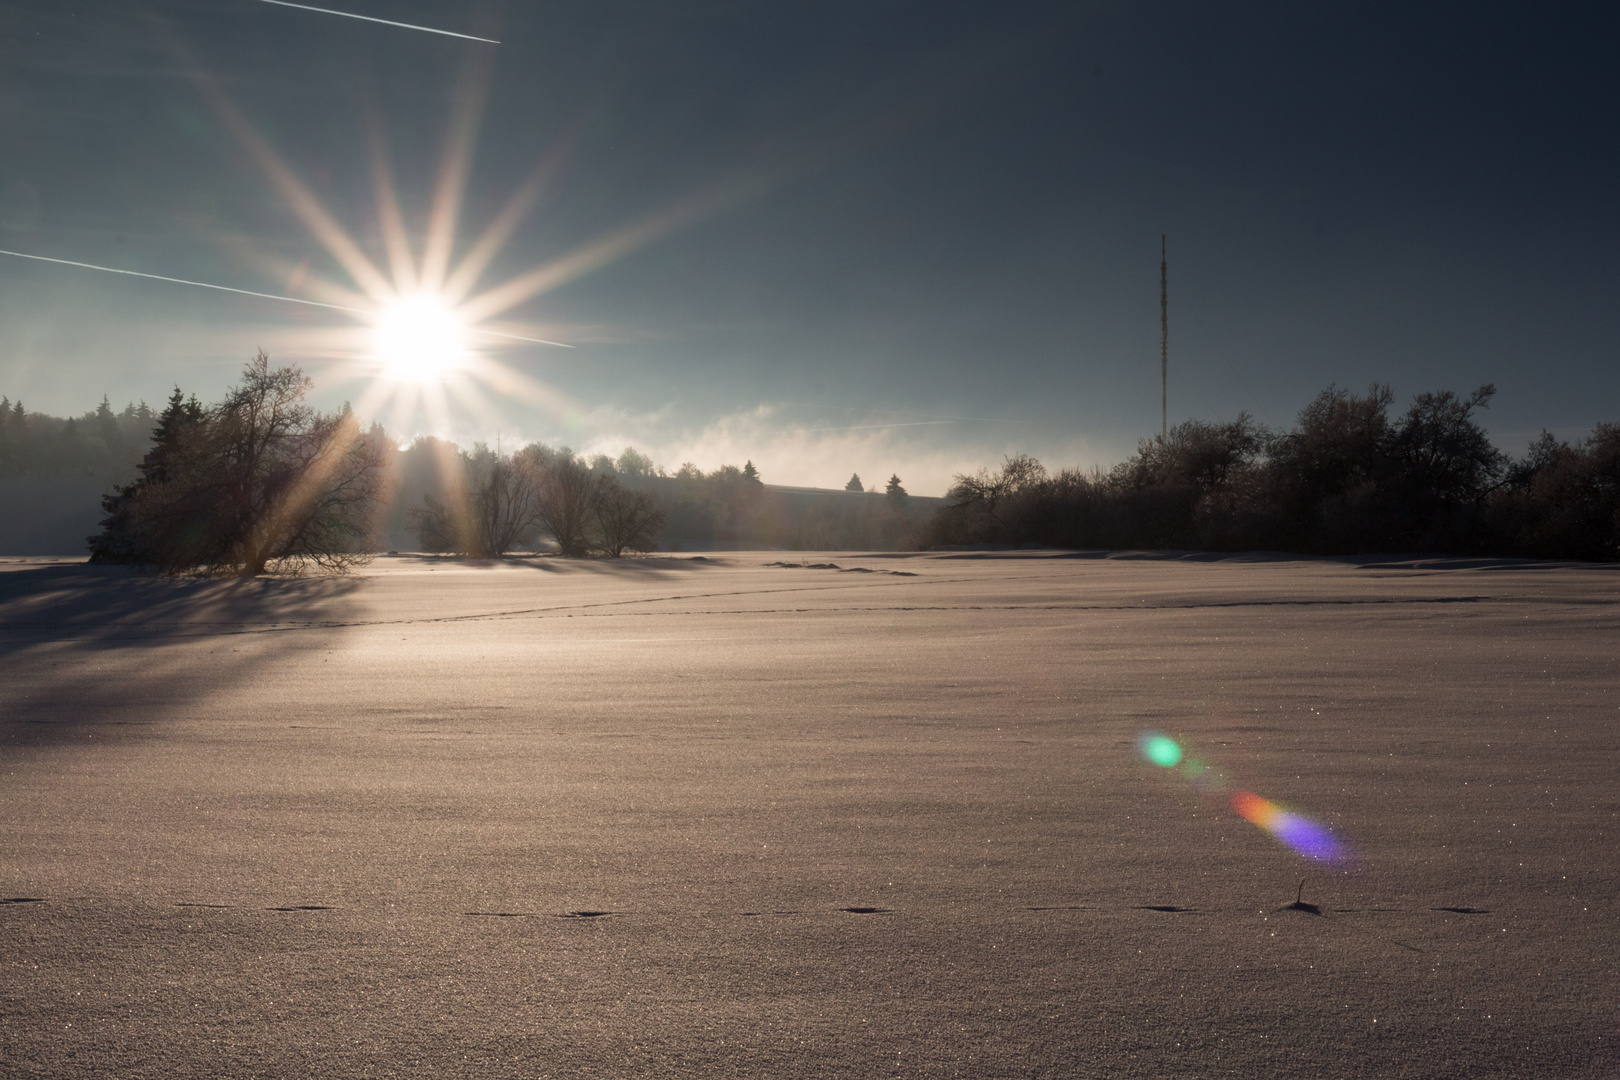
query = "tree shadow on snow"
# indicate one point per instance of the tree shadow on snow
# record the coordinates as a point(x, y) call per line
point(629, 566)
point(88, 647)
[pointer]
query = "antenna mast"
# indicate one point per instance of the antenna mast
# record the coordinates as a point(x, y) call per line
point(1164, 340)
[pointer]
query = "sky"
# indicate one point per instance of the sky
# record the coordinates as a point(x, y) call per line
point(828, 237)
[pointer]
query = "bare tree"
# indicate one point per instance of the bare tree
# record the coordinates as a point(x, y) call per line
point(626, 520)
point(564, 497)
point(495, 509)
point(325, 515)
point(505, 507)
point(440, 526)
point(985, 490)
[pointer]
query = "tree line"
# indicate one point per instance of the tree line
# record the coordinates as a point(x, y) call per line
point(260, 479)
point(1347, 478)
point(480, 502)
point(490, 503)
point(100, 443)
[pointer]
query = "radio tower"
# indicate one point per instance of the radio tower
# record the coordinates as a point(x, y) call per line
point(1164, 340)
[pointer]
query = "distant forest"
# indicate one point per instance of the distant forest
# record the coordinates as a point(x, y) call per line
point(730, 507)
point(101, 443)
point(1347, 478)
point(54, 472)
point(1350, 476)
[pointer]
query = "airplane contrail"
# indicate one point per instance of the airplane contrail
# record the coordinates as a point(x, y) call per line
point(261, 295)
point(875, 427)
point(906, 423)
point(385, 22)
point(519, 337)
point(978, 419)
point(870, 409)
point(183, 281)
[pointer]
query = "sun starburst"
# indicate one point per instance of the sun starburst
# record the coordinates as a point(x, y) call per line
point(426, 333)
point(419, 339)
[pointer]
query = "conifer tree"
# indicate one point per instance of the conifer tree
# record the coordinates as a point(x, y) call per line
point(118, 541)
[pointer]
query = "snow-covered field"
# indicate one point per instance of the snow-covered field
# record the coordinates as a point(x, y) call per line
point(714, 817)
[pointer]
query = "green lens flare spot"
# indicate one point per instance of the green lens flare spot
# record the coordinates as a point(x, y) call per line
point(1161, 750)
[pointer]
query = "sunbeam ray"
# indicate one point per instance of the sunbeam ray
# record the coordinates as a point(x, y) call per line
point(332, 236)
point(511, 383)
point(454, 169)
point(615, 245)
point(389, 219)
point(433, 403)
point(301, 282)
point(468, 395)
point(499, 231)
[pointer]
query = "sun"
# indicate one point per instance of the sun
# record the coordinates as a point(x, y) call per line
point(419, 339)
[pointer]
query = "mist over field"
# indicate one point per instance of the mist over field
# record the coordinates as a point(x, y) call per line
point(839, 540)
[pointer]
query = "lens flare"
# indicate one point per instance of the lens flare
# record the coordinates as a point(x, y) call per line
point(1162, 750)
point(1302, 834)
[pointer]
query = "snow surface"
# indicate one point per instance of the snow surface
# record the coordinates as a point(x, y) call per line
point(544, 818)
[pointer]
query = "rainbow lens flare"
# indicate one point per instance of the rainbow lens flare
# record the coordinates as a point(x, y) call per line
point(1302, 834)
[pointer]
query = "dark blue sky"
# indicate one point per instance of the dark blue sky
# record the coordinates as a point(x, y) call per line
point(887, 213)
